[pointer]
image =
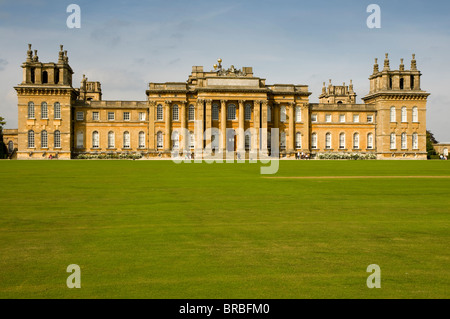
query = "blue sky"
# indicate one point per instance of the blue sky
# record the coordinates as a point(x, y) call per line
point(126, 44)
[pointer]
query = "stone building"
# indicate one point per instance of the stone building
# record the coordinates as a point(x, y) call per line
point(219, 111)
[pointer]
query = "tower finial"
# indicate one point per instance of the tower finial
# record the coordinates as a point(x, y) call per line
point(29, 54)
point(413, 63)
point(402, 66)
point(386, 62)
point(61, 54)
point(375, 66)
point(35, 58)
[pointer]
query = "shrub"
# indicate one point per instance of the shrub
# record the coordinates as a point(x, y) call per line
point(347, 156)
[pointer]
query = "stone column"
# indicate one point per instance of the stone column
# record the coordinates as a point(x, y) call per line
point(167, 130)
point(185, 139)
point(241, 136)
point(223, 125)
point(290, 146)
point(256, 119)
point(199, 119)
point(151, 126)
point(264, 131)
point(208, 122)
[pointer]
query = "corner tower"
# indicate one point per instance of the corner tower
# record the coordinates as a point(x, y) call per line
point(401, 111)
point(45, 98)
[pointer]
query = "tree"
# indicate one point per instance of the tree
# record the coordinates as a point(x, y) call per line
point(430, 141)
point(2, 122)
point(3, 149)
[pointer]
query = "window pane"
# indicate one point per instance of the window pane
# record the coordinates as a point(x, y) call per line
point(44, 139)
point(57, 141)
point(57, 108)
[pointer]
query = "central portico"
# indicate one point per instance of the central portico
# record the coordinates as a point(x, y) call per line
point(230, 106)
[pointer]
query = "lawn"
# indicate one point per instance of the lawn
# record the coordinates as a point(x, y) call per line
point(155, 229)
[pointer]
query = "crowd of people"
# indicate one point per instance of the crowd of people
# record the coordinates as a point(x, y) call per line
point(301, 155)
point(443, 157)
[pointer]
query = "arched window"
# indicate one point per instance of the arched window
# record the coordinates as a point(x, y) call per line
point(126, 139)
point(356, 141)
point(283, 140)
point(57, 139)
point(298, 140)
point(57, 110)
point(176, 140)
point(191, 115)
point(404, 114)
point(328, 140)
point(111, 139)
point(248, 138)
point(393, 115)
point(298, 114)
point(342, 140)
point(393, 142)
point(80, 139)
point(31, 139)
point(248, 112)
point(401, 84)
point(370, 141)
point(231, 112)
point(95, 140)
point(141, 139)
point(44, 110)
point(404, 141)
point(215, 112)
point(415, 141)
point(44, 139)
point(159, 113)
point(269, 114)
point(283, 113)
point(314, 140)
point(175, 113)
point(191, 140)
point(30, 110)
point(44, 77)
point(159, 140)
point(415, 114)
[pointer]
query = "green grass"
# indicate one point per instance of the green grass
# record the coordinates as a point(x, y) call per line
point(155, 229)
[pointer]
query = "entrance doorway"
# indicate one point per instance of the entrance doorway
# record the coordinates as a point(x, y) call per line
point(231, 140)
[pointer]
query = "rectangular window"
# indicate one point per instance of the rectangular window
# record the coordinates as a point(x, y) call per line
point(57, 111)
point(314, 141)
point(342, 118)
point(313, 117)
point(111, 116)
point(95, 116)
point(141, 116)
point(369, 118)
point(356, 118)
point(342, 141)
point(126, 116)
point(328, 118)
point(44, 139)
point(80, 116)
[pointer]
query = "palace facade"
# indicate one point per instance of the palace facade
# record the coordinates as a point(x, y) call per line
point(231, 108)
